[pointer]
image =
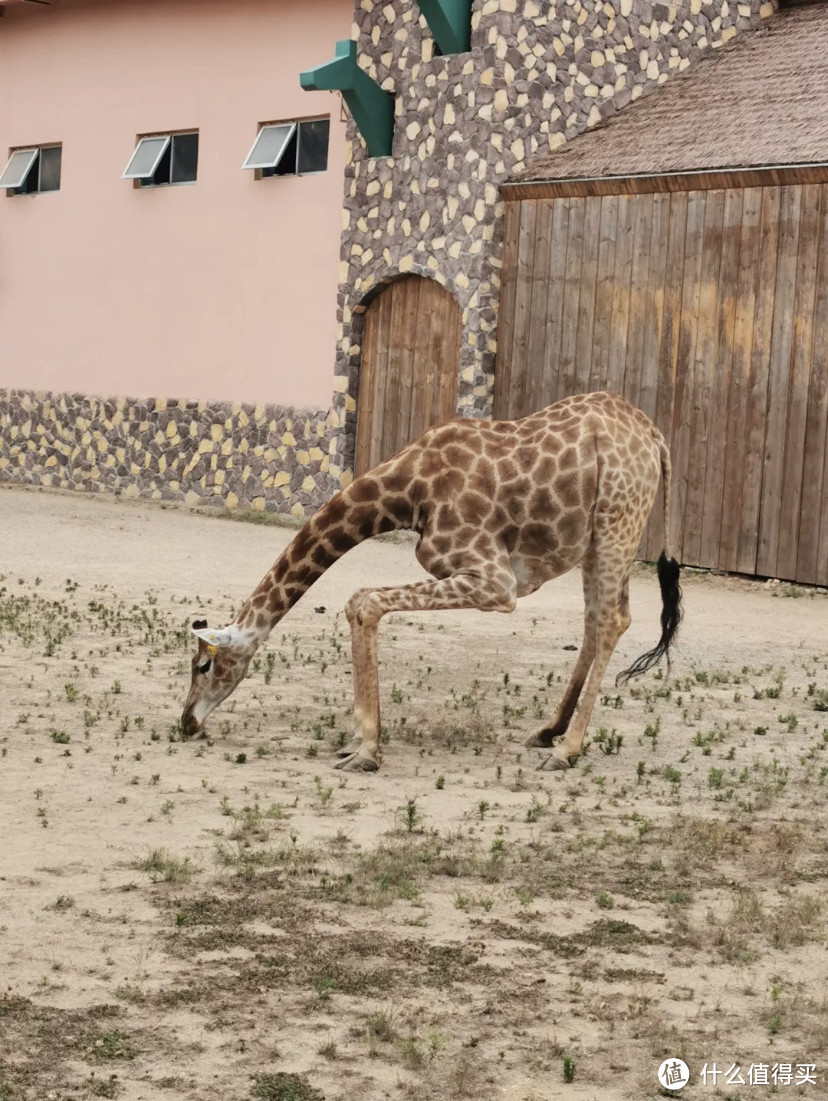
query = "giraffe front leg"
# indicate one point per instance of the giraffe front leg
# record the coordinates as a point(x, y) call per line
point(350, 754)
point(362, 752)
point(492, 590)
point(358, 668)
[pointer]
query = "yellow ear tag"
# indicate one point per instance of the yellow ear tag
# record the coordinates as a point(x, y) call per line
point(212, 651)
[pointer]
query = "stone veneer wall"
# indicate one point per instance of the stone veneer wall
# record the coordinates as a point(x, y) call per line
point(539, 73)
point(261, 456)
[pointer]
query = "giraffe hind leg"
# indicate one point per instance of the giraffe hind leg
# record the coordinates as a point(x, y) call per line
point(547, 735)
point(613, 621)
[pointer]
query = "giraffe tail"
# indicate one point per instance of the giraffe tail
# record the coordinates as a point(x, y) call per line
point(668, 571)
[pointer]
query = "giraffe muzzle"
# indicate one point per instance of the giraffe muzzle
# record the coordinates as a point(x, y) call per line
point(190, 724)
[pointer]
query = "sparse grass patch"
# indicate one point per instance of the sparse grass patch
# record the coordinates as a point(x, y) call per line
point(113, 1045)
point(380, 1026)
point(608, 741)
point(701, 839)
point(285, 1087)
point(393, 870)
point(62, 903)
point(819, 699)
point(163, 866)
point(750, 923)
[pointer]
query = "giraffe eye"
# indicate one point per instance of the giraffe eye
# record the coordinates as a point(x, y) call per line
point(205, 666)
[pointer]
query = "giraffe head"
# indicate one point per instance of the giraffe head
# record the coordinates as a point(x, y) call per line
point(219, 665)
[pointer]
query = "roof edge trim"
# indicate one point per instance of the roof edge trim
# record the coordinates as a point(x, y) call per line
point(703, 179)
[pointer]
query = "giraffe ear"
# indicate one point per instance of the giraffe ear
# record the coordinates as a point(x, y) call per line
point(217, 636)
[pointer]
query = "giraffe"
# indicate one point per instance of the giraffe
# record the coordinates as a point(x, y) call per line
point(500, 508)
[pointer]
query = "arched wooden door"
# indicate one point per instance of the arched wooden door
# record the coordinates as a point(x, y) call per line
point(408, 376)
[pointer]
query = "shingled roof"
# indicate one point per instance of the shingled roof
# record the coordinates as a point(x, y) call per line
point(760, 100)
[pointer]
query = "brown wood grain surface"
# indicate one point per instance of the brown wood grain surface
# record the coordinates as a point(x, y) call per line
point(564, 375)
point(707, 306)
point(780, 374)
point(409, 369)
point(812, 562)
point(702, 413)
point(506, 316)
point(685, 380)
point(744, 455)
point(538, 288)
point(800, 380)
point(712, 469)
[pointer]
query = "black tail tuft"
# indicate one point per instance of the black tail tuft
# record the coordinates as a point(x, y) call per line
point(668, 579)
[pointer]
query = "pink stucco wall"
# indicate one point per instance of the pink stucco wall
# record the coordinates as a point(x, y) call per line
point(225, 289)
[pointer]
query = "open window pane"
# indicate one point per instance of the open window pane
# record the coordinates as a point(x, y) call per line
point(161, 175)
point(144, 160)
point(184, 158)
point(269, 146)
point(18, 167)
point(50, 157)
point(313, 145)
point(286, 165)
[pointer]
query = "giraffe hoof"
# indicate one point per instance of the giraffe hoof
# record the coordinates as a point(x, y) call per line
point(553, 764)
point(348, 750)
point(356, 763)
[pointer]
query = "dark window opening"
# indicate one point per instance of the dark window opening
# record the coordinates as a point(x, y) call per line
point(286, 165)
point(184, 158)
point(49, 167)
point(312, 155)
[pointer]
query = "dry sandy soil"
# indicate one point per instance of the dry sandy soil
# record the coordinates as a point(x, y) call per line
point(229, 917)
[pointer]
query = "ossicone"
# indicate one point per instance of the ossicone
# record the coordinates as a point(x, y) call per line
point(218, 636)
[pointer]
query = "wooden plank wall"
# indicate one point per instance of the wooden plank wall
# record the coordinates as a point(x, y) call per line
point(409, 371)
point(709, 310)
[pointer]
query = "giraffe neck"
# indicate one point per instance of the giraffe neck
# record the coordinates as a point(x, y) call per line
point(348, 518)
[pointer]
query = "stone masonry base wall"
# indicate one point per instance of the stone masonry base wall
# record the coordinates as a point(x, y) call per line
point(268, 457)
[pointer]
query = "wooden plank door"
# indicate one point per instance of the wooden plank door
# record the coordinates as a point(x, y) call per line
point(409, 371)
point(708, 309)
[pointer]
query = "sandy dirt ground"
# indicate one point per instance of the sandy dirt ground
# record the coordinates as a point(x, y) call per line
point(230, 917)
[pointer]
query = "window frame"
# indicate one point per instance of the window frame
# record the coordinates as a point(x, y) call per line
point(292, 128)
point(266, 172)
point(127, 175)
point(33, 166)
point(146, 180)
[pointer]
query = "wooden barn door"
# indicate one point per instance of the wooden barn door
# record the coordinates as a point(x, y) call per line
point(408, 377)
point(708, 309)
